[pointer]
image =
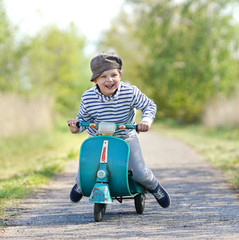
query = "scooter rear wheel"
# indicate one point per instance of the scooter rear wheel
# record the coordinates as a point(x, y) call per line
point(99, 211)
point(139, 202)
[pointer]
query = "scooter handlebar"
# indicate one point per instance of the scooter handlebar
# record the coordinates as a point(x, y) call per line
point(117, 126)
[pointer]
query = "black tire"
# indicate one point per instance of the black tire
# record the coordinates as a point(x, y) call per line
point(99, 211)
point(139, 202)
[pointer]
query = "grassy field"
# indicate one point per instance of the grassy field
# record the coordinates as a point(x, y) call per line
point(219, 147)
point(31, 160)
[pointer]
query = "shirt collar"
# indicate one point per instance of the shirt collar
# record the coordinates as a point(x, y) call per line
point(104, 98)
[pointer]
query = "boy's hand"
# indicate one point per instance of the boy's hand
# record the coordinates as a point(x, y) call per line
point(72, 125)
point(143, 127)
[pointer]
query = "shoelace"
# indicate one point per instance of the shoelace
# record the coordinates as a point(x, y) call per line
point(159, 194)
point(77, 189)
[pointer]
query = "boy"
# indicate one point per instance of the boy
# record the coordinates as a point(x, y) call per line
point(115, 101)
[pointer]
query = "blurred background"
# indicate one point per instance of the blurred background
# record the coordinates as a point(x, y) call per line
point(184, 54)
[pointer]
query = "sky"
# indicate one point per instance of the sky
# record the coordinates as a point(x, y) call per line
point(90, 16)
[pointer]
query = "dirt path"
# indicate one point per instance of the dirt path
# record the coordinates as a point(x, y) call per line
point(203, 206)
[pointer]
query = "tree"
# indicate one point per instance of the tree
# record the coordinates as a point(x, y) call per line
point(186, 52)
point(8, 54)
point(56, 65)
point(51, 64)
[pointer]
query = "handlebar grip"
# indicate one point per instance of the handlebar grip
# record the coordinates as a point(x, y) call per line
point(77, 124)
point(136, 128)
point(86, 124)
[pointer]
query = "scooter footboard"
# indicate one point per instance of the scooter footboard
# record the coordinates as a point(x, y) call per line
point(117, 164)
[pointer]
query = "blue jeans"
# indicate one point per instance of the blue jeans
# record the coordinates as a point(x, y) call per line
point(141, 173)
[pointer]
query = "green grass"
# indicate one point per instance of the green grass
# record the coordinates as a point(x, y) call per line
point(29, 161)
point(220, 147)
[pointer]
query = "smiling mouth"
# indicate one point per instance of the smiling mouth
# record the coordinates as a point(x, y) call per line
point(110, 86)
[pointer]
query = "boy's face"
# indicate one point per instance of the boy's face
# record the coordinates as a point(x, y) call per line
point(108, 81)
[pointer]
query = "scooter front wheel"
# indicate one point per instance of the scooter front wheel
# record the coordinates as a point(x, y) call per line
point(99, 211)
point(139, 202)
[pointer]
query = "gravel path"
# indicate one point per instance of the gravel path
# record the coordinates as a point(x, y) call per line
point(203, 205)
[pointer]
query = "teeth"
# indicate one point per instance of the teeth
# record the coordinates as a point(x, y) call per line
point(109, 86)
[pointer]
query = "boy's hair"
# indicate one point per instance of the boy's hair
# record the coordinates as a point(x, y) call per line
point(103, 62)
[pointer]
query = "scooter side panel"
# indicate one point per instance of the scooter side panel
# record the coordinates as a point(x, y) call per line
point(118, 154)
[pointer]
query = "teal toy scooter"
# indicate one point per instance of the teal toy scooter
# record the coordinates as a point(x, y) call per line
point(103, 169)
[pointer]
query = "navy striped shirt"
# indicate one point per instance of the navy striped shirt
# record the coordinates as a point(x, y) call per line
point(118, 108)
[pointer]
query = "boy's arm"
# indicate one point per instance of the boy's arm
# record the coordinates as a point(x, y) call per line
point(148, 108)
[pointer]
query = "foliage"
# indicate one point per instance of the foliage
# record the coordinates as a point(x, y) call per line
point(52, 63)
point(55, 64)
point(9, 58)
point(182, 54)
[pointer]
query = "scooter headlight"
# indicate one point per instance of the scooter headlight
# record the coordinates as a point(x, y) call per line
point(101, 174)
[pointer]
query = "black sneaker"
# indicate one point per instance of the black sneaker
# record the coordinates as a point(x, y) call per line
point(75, 194)
point(161, 196)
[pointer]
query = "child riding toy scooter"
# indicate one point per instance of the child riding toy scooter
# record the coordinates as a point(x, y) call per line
point(103, 169)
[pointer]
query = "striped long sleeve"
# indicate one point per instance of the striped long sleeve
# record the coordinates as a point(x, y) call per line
point(118, 108)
